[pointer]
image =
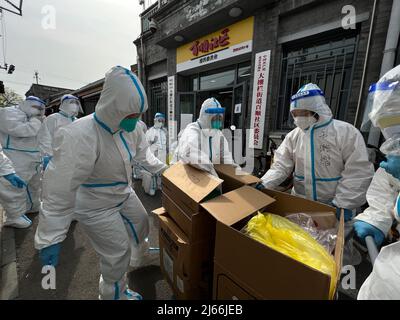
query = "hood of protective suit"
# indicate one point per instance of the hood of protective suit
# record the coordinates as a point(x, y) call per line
point(122, 95)
point(30, 106)
point(310, 97)
point(204, 117)
point(159, 120)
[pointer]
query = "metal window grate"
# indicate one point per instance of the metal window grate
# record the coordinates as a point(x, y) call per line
point(158, 98)
point(329, 65)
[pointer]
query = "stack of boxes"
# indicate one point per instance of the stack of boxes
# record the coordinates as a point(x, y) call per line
point(205, 255)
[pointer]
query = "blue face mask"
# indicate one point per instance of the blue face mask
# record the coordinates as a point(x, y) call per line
point(216, 124)
point(129, 125)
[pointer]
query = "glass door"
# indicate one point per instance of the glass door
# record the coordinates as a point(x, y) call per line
point(238, 122)
point(186, 109)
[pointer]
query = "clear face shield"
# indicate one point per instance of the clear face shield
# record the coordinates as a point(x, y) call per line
point(383, 106)
point(159, 122)
point(33, 107)
point(383, 111)
point(216, 116)
point(71, 106)
point(38, 110)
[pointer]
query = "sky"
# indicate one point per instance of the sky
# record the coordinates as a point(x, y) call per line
point(90, 36)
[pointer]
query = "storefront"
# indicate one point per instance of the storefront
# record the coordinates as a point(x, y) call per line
point(217, 65)
point(253, 56)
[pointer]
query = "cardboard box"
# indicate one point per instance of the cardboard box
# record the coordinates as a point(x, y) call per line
point(185, 188)
point(247, 269)
point(197, 227)
point(186, 265)
point(188, 186)
point(234, 179)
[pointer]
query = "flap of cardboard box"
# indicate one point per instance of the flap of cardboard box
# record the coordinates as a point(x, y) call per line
point(287, 203)
point(237, 205)
point(237, 174)
point(195, 183)
point(176, 234)
point(159, 212)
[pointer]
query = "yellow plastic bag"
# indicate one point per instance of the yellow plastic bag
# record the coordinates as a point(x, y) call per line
point(290, 239)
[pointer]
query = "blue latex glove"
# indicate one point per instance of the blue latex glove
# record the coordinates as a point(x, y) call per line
point(46, 160)
point(392, 166)
point(15, 180)
point(364, 229)
point(348, 214)
point(260, 186)
point(49, 255)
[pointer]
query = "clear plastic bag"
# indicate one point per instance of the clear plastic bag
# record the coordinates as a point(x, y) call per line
point(326, 238)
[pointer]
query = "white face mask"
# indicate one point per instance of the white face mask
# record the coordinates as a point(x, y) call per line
point(304, 122)
point(158, 124)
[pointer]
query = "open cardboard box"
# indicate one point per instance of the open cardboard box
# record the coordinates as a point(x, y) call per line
point(234, 178)
point(185, 188)
point(247, 269)
point(186, 265)
point(183, 218)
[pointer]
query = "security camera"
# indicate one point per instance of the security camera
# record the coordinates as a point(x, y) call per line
point(11, 69)
point(153, 26)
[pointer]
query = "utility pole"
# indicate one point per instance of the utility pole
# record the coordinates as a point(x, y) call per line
point(37, 77)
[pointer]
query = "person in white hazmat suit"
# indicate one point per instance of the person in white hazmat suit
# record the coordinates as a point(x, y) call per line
point(7, 172)
point(69, 109)
point(328, 157)
point(137, 170)
point(383, 195)
point(19, 128)
point(156, 137)
point(202, 143)
point(90, 178)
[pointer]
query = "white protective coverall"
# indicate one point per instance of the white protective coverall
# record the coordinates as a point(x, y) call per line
point(19, 128)
point(156, 137)
point(6, 166)
point(201, 146)
point(91, 174)
point(329, 160)
point(137, 170)
point(55, 121)
point(383, 195)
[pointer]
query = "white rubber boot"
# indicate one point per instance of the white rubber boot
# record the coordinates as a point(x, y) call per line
point(142, 256)
point(22, 222)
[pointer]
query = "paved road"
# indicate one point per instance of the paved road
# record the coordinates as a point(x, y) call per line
point(78, 271)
